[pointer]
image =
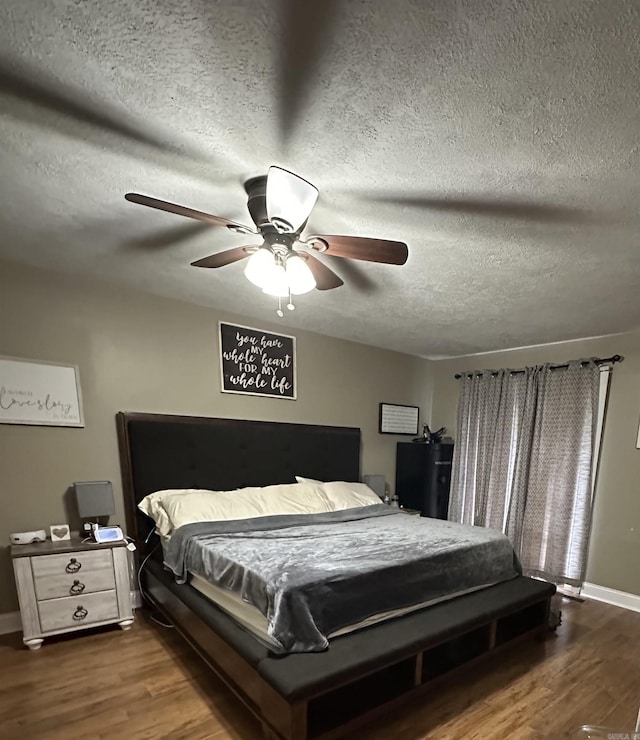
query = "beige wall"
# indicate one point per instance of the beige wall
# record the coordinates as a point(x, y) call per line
point(614, 554)
point(138, 352)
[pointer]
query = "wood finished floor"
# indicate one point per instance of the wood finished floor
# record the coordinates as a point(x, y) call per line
point(147, 683)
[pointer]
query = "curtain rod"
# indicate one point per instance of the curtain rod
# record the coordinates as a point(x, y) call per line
point(598, 360)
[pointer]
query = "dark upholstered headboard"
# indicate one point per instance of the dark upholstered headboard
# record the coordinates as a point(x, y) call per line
point(160, 451)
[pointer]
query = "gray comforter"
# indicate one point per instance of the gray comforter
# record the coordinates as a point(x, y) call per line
point(311, 575)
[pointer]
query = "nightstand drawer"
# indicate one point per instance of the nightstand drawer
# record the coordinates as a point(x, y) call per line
point(73, 612)
point(72, 574)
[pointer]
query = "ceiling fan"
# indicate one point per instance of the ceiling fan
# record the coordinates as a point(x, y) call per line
point(280, 204)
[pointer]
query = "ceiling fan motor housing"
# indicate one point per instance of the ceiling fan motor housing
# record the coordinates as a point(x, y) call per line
point(256, 189)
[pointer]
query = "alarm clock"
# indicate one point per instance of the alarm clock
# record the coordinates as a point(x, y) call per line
point(107, 534)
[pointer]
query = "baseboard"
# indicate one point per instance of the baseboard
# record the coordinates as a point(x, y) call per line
point(611, 596)
point(10, 621)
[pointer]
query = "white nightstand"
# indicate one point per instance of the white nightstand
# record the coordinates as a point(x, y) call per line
point(69, 585)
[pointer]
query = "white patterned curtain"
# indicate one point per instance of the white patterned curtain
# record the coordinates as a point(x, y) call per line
point(523, 462)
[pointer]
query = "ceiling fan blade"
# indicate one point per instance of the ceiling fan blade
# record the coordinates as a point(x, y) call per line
point(290, 199)
point(49, 95)
point(228, 257)
point(487, 207)
point(363, 248)
point(325, 278)
point(167, 238)
point(305, 30)
point(163, 205)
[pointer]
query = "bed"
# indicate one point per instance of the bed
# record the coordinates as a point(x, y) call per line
point(302, 695)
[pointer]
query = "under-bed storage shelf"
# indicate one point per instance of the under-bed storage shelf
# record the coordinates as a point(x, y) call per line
point(454, 652)
point(397, 682)
point(344, 704)
point(521, 622)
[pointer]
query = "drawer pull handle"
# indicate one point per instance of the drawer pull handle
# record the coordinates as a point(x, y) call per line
point(79, 614)
point(73, 566)
point(77, 587)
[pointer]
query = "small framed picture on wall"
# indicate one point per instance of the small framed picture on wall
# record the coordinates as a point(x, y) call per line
point(397, 419)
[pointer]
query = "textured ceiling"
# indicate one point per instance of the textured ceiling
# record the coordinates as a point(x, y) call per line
point(500, 140)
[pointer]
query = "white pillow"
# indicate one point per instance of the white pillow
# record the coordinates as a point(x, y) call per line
point(152, 505)
point(174, 508)
point(343, 495)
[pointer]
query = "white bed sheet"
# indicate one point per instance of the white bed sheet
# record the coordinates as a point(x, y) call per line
point(256, 623)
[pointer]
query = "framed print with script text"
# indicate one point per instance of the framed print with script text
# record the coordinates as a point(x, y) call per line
point(39, 393)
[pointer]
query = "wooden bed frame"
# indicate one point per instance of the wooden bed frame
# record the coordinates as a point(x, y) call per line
point(367, 673)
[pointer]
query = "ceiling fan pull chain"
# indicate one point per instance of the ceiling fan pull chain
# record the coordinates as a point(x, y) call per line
point(280, 312)
point(290, 305)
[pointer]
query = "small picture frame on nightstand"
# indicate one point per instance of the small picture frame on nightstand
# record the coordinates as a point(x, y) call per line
point(60, 532)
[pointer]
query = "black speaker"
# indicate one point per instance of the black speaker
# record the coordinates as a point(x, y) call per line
point(423, 477)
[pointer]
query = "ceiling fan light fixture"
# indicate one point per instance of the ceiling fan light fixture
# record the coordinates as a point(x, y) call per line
point(290, 199)
point(299, 276)
point(275, 281)
point(260, 264)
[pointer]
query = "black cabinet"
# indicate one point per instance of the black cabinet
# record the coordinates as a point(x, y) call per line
point(423, 477)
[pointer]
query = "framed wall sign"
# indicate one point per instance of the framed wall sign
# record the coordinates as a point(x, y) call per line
point(39, 393)
point(256, 362)
point(397, 419)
